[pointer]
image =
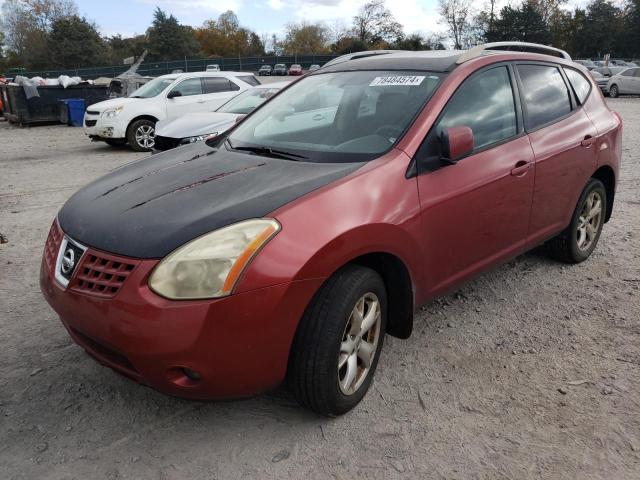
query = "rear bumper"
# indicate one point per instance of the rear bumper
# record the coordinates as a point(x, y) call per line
point(239, 345)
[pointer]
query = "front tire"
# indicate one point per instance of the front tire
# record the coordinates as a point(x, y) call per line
point(338, 342)
point(576, 243)
point(614, 92)
point(141, 135)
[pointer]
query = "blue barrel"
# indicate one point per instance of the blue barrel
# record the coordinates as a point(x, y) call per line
point(76, 111)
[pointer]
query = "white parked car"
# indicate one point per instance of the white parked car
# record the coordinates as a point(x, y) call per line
point(132, 119)
point(195, 127)
point(213, 68)
point(625, 82)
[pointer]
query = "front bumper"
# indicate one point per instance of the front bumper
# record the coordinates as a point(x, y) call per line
point(239, 345)
point(101, 128)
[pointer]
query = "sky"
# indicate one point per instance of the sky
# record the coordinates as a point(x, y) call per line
point(128, 17)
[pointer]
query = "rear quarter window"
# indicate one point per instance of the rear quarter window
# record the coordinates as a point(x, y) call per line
point(250, 79)
point(580, 84)
point(546, 97)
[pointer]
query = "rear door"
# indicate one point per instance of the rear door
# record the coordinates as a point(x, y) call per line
point(563, 140)
point(476, 212)
point(217, 91)
point(625, 81)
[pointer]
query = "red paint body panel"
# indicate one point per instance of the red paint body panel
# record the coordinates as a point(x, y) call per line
point(239, 344)
point(563, 167)
point(445, 226)
point(475, 213)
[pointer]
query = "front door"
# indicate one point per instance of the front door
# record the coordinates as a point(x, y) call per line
point(476, 212)
point(191, 98)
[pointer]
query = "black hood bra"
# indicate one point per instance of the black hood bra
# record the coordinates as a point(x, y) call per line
point(149, 208)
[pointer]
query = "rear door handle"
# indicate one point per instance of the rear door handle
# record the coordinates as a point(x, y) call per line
point(521, 168)
point(201, 101)
point(588, 141)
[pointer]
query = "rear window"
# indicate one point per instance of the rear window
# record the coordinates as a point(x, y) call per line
point(219, 84)
point(546, 96)
point(580, 85)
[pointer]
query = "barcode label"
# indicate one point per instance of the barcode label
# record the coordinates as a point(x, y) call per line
point(397, 80)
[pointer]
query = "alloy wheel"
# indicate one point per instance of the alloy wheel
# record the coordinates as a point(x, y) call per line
point(359, 343)
point(589, 221)
point(145, 136)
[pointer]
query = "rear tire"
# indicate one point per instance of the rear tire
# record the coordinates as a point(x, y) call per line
point(614, 92)
point(576, 243)
point(338, 342)
point(141, 135)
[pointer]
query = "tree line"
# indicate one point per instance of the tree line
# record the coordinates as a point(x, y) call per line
point(601, 27)
point(44, 34)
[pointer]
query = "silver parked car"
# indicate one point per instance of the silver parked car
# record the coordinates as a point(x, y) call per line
point(626, 82)
point(196, 127)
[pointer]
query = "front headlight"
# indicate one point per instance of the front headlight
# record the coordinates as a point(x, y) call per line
point(112, 112)
point(197, 138)
point(210, 265)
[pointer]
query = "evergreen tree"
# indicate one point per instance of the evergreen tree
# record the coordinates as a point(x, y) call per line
point(74, 42)
point(168, 40)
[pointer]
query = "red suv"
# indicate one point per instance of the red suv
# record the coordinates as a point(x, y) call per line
point(288, 247)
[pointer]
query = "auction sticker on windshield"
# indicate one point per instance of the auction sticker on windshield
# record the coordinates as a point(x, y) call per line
point(397, 80)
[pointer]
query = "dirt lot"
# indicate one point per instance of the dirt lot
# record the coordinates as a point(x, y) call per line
point(474, 393)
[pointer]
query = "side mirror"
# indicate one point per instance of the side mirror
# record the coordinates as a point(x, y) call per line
point(174, 94)
point(456, 142)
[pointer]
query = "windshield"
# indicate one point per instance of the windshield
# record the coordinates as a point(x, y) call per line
point(247, 101)
point(153, 88)
point(338, 117)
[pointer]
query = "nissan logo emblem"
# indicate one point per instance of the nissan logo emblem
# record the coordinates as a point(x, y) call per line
point(68, 261)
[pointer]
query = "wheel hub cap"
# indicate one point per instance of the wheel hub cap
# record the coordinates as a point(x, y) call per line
point(145, 136)
point(589, 221)
point(359, 343)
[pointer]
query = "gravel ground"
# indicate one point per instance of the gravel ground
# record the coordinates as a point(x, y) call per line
point(530, 371)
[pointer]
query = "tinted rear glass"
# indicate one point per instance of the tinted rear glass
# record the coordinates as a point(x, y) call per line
point(218, 84)
point(546, 96)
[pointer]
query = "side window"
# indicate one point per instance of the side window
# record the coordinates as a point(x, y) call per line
point(484, 103)
point(580, 85)
point(546, 96)
point(191, 86)
point(250, 79)
point(628, 73)
point(637, 72)
point(219, 84)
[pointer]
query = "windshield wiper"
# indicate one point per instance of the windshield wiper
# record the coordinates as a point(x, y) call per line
point(269, 152)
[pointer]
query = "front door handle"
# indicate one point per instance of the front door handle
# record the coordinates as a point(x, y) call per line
point(201, 101)
point(588, 141)
point(521, 168)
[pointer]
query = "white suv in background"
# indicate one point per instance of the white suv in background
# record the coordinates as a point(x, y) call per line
point(132, 120)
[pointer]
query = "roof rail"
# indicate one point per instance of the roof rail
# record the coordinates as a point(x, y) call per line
point(511, 46)
point(356, 55)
